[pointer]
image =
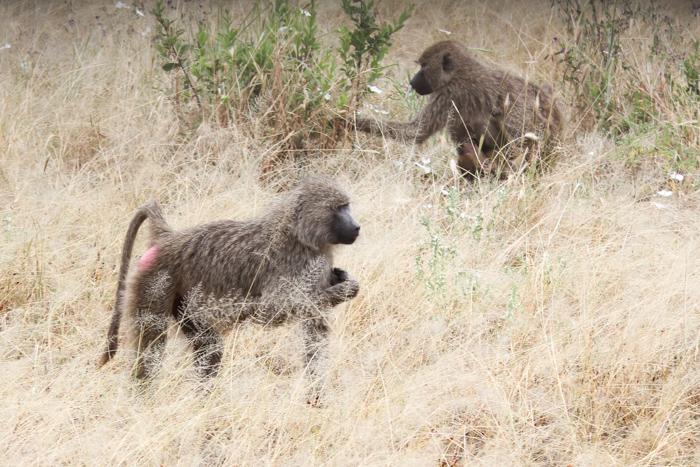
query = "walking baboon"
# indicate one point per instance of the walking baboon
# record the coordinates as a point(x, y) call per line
point(498, 121)
point(271, 270)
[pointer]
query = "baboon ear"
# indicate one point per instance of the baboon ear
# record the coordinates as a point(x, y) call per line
point(447, 64)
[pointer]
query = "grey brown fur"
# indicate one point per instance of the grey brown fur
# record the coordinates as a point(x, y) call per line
point(272, 269)
point(497, 120)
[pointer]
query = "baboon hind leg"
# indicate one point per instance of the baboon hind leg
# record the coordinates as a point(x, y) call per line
point(207, 344)
point(151, 305)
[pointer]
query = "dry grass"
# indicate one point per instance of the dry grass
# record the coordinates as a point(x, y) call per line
point(554, 321)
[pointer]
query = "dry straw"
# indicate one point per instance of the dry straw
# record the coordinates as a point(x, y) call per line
point(547, 321)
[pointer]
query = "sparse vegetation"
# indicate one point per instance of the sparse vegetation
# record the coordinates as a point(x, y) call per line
point(549, 320)
point(273, 67)
point(629, 67)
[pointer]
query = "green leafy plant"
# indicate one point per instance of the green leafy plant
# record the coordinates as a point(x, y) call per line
point(691, 70)
point(363, 47)
point(273, 67)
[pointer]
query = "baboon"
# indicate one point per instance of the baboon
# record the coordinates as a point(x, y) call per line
point(498, 121)
point(272, 269)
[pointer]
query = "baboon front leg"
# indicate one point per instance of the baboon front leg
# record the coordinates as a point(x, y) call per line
point(316, 355)
point(429, 121)
point(207, 344)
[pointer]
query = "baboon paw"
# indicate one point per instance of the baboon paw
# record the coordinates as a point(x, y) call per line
point(339, 276)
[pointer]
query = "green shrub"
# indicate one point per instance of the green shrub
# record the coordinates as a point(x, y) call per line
point(274, 67)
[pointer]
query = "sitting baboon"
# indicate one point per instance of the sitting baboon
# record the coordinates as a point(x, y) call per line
point(272, 269)
point(498, 121)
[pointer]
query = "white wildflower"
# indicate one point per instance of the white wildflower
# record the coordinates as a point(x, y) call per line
point(665, 193)
point(121, 5)
point(676, 176)
point(375, 89)
point(6, 46)
point(139, 12)
point(425, 168)
point(304, 12)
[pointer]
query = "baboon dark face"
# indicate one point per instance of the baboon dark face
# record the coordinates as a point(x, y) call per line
point(323, 216)
point(344, 229)
point(420, 84)
point(435, 70)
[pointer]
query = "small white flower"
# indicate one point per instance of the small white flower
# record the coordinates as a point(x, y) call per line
point(327, 96)
point(445, 31)
point(283, 28)
point(6, 46)
point(375, 89)
point(676, 176)
point(591, 153)
point(121, 5)
point(665, 193)
point(146, 32)
point(139, 12)
point(425, 160)
point(425, 168)
point(304, 12)
point(444, 192)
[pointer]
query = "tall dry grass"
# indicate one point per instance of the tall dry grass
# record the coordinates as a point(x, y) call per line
point(544, 321)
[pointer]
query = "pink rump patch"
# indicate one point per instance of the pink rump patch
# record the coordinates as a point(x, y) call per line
point(148, 258)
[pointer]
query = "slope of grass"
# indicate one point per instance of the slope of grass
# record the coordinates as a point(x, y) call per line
point(551, 320)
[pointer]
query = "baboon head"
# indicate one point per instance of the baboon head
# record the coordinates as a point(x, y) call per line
point(322, 215)
point(436, 66)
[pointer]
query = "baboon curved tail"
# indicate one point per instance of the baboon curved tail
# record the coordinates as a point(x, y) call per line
point(158, 227)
